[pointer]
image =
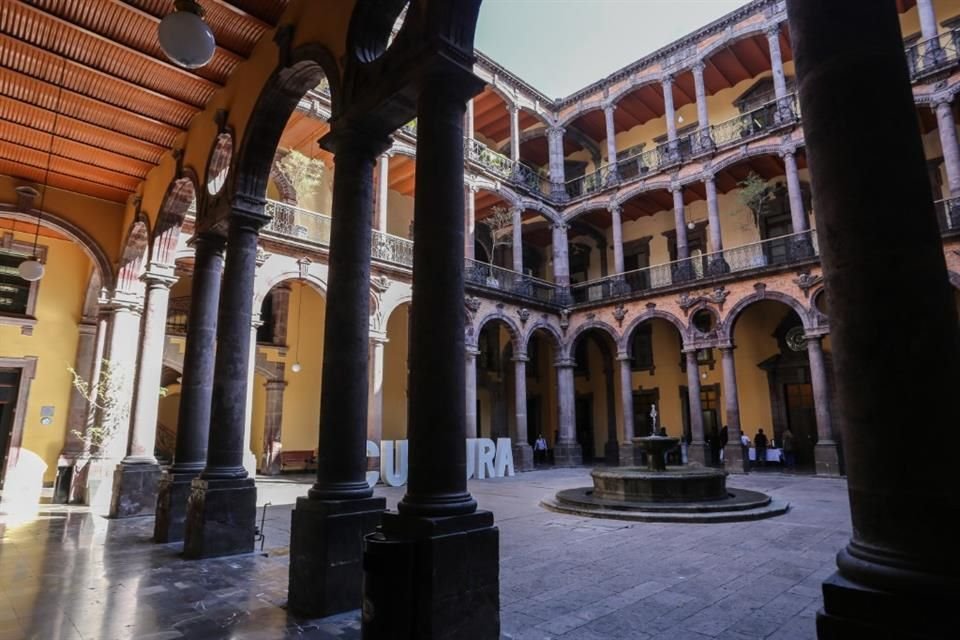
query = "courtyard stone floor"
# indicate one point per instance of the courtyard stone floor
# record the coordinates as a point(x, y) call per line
point(68, 575)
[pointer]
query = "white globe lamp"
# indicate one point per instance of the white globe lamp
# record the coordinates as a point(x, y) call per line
point(295, 367)
point(184, 37)
point(31, 270)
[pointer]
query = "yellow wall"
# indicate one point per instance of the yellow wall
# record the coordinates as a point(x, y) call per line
point(399, 214)
point(395, 376)
point(54, 343)
point(257, 424)
point(755, 343)
point(301, 400)
point(945, 9)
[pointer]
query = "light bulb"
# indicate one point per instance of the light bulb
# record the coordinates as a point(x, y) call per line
point(704, 375)
point(31, 270)
point(184, 37)
point(295, 367)
point(680, 119)
point(691, 226)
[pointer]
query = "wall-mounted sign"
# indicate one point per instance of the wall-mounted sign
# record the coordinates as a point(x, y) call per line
point(485, 459)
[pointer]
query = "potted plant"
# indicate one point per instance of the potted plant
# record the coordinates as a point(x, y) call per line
point(500, 226)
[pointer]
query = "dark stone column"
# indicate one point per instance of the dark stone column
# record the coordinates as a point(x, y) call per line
point(697, 449)
point(432, 571)
point(627, 455)
point(522, 451)
point(732, 453)
point(221, 513)
point(895, 367)
point(566, 450)
point(825, 453)
point(196, 386)
point(326, 536)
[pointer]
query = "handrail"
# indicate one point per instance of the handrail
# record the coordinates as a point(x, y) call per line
point(948, 214)
point(490, 276)
point(933, 54)
point(503, 167)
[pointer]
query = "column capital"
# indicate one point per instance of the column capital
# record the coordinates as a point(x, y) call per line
point(699, 66)
point(472, 352)
point(708, 175)
point(556, 131)
point(624, 357)
point(379, 340)
point(772, 31)
point(248, 212)
point(513, 107)
point(666, 80)
point(786, 152)
point(350, 139)
point(520, 357)
point(565, 363)
point(275, 385)
point(159, 275)
point(943, 101)
point(615, 208)
point(609, 107)
point(727, 346)
point(675, 187)
point(814, 337)
point(561, 226)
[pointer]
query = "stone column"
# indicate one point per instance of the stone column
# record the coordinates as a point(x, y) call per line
point(88, 354)
point(383, 191)
point(670, 114)
point(196, 387)
point(221, 513)
point(558, 179)
point(470, 385)
point(514, 132)
point(718, 264)
point(250, 458)
point(627, 457)
point(705, 141)
point(613, 174)
point(326, 577)
point(682, 270)
point(280, 307)
point(135, 484)
point(469, 237)
point(732, 453)
point(616, 224)
point(375, 412)
point(825, 453)
point(802, 245)
point(784, 112)
point(272, 427)
point(947, 129)
point(561, 261)
point(438, 541)
point(468, 120)
point(928, 19)
point(567, 451)
point(522, 451)
point(895, 369)
point(517, 238)
point(697, 451)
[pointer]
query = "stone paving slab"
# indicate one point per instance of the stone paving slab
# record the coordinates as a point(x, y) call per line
point(66, 574)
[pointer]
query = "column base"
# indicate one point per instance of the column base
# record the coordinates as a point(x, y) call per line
point(522, 457)
point(432, 578)
point(628, 457)
point(826, 458)
point(221, 518)
point(852, 610)
point(567, 455)
point(173, 494)
point(733, 461)
point(326, 554)
point(698, 452)
point(134, 490)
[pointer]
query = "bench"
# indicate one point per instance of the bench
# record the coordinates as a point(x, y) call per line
point(302, 460)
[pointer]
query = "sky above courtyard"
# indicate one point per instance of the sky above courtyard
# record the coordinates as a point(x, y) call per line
point(560, 46)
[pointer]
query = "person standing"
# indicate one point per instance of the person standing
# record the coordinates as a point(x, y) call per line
point(540, 450)
point(745, 451)
point(760, 442)
point(789, 450)
point(724, 439)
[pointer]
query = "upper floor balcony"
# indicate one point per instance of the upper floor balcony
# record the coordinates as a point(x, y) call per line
point(933, 55)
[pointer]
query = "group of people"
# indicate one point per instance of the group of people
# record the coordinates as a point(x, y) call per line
point(761, 443)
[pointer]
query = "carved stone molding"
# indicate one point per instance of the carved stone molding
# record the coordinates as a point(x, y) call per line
point(619, 313)
point(806, 282)
point(564, 320)
point(380, 283)
point(262, 256)
point(472, 303)
point(524, 315)
point(716, 297)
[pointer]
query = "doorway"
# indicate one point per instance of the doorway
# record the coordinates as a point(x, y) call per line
point(802, 420)
point(9, 392)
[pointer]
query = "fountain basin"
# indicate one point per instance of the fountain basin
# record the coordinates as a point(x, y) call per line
point(676, 484)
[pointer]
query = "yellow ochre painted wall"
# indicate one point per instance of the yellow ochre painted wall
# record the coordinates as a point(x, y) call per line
point(301, 399)
point(60, 300)
point(395, 375)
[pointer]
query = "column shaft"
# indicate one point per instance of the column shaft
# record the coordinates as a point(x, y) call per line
point(896, 577)
point(196, 384)
point(143, 436)
point(469, 237)
point(617, 226)
point(697, 451)
point(558, 177)
point(626, 398)
point(520, 400)
point(470, 385)
point(776, 62)
point(87, 355)
point(514, 132)
point(611, 141)
point(383, 192)
point(228, 413)
point(680, 223)
point(703, 115)
point(670, 112)
point(928, 19)
point(798, 213)
point(122, 355)
point(272, 427)
point(566, 395)
point(437, 484)
point(731, 394)
point(561, 259)
point(468, 120)
point(947, 129)
point(517, 238)
point(713, 214)
point(821, 390)
point(342, 463)
point(375, 413)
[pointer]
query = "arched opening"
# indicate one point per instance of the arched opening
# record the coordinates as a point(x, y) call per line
point(394, 377)
point(774, 379)
point(597, 396)
point(167, 414)
point(496, 402)
point(542, 401)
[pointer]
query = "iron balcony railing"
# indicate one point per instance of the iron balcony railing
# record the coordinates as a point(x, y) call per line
point(310, 226)
point(934, 54)
point(948, 214)
point(504, 167)
point(774, 252)
point(756, 123)
point(488, 276)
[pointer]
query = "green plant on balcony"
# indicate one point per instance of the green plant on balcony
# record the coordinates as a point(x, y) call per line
point(755, 194)
point(304, 173)
point(500, 226)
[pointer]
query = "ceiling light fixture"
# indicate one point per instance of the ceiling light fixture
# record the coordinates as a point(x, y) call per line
point(184, 36)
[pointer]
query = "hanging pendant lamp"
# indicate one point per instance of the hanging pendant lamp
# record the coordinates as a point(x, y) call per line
point(184, 36)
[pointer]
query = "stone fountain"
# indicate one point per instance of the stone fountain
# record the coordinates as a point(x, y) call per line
point(661, 493)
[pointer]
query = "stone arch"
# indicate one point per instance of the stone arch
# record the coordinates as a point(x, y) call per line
point(955, 279)
point(397, 304)
point(288, 193)
point(306, 67)
point(658, 183)
point(403, 149)
point(636, 82)
point(744, 153)
point(263, 288)
point(731, 37)
point(516, 336)
point(90, 247)
point(547, 328)
point(584, 208)
point(219, 163)
point(568, 348)
point(623, 346)
point(133, 259)
point(180, 195)
point(725, 329)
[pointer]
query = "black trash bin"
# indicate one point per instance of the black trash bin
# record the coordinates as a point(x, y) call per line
point(61, 485)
